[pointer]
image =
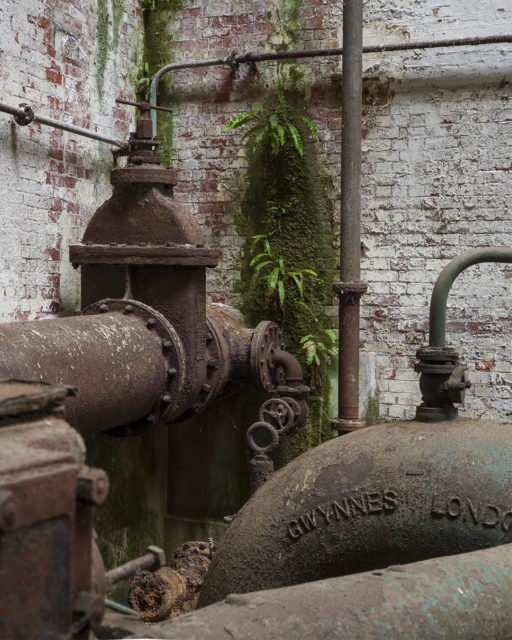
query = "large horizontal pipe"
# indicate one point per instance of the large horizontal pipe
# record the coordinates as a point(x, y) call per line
point(458, 598)
point(392, 493)
point(114, 359)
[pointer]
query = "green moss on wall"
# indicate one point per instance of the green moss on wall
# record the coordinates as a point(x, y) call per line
point(102, 45)
point(159, 16)
point(117, 16)
point(372, 410)
point(285, 192)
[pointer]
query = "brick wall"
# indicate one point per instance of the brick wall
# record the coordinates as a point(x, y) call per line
point(69, 59)
point(436, 166)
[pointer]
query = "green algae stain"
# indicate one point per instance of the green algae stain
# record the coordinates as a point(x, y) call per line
point(159, 20)
point(117, 16)
point(102, 45)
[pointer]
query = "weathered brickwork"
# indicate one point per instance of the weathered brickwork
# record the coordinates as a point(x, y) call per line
point(68, 59)
point(437, 167)
point(436, 174)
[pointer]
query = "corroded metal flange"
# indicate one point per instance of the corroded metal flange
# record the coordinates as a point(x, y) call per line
point(172, 349)
point(267, 337)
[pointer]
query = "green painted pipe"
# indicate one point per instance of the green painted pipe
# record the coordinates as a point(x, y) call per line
point(445, 281)
point(390, 494)
point(461, 597)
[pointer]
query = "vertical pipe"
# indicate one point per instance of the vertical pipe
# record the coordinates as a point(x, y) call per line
point(350, 288)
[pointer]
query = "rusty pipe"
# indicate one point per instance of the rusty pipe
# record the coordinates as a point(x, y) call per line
point(387, 494)
point(350, 288)
point(114, 359)
point(462, 597)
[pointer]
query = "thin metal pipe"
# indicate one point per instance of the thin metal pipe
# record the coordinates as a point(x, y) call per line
point(28, 115)
point(146, 561)
point(446, 279)
point(153, 89)
point(249, 58)
point(350, 288)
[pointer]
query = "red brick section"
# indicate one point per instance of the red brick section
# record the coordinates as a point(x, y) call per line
point(55, 53)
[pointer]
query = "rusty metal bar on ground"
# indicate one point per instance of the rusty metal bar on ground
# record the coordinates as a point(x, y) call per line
point(153, 558)
point(233, 59)
point(24, 115)
point(350, 288)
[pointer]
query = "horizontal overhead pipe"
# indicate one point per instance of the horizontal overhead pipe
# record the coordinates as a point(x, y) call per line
point(462, 597)
point(446, 279)
point(233, 59)
point(113, 359)
point(387, 494)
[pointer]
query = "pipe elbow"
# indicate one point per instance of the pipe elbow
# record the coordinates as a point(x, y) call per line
point(291, 366)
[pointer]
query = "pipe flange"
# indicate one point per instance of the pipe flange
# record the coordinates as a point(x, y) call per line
point(267, 337)
point(346, 425)
point(217, 357)
point(172, 350)
point(262, 426)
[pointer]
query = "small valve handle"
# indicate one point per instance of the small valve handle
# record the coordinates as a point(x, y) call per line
point(145, 106)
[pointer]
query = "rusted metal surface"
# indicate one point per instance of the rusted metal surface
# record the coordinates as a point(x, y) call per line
point(350, 288)
point(153, 558)
point(392, 493)
point(47, 500)
point(167, 404)
point(462, 597)
point(142, 244)
point(114, 360)
point(266, 339)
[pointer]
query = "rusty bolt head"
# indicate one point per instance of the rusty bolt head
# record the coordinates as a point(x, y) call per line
point(151, 418)
point(7, 511)
point(213, 364)
point(103, 308)
point(128, 308)
point(172, 372)
point(166, 398)
point(209, 337)
point(92, 485)
point(166, 345)
point(151, 323)
point(159, 556)
point(207, 387)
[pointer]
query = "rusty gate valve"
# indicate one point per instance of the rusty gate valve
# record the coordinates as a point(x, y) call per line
point(442, 383)
point(143, 147)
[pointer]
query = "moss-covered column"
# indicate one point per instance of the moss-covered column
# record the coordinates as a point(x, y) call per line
point(285, 201)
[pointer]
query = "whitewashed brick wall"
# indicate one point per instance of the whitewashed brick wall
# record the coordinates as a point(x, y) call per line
point(52, 181)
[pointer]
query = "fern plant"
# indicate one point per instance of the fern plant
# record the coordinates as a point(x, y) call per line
point(276, 125)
